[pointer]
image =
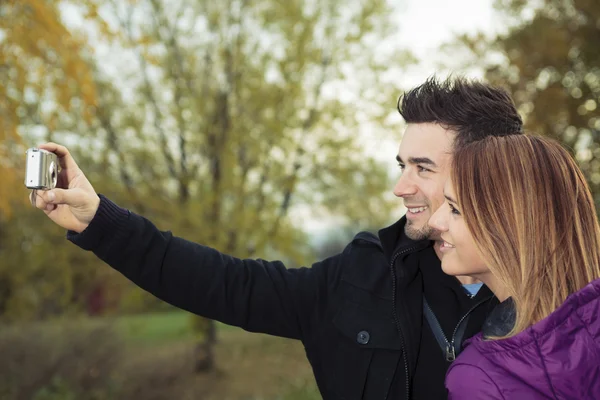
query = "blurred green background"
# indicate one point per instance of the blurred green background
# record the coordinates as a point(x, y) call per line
point(259, 127)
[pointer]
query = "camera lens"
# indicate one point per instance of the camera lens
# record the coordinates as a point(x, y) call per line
point(53, 175)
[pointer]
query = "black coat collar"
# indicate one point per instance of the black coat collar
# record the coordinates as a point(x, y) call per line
point(501, 320)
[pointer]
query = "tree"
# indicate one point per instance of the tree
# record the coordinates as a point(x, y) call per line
point(218, 120)
point(229, 119)
point(550, 61)
point(42, 73)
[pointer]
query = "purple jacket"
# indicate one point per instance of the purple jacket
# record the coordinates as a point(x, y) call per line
point(557, 358)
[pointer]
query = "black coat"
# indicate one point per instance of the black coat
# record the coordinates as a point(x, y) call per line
point(358, 314)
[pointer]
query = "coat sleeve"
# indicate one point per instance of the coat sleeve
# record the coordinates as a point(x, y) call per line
point(470, 382)
point(256, 295)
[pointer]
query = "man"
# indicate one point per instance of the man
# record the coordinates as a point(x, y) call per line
point(378, 321)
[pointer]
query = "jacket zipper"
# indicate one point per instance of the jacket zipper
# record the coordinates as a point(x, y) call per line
point(450, 346)
point(397, 322)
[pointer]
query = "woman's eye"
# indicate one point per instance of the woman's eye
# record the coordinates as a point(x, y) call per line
point(454, 210)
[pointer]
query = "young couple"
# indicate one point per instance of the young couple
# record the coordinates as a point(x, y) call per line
point(381, 320)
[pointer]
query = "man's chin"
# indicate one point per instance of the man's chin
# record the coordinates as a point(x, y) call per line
point(418, 232)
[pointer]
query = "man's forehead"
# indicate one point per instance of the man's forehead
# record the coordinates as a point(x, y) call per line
point(426, 141)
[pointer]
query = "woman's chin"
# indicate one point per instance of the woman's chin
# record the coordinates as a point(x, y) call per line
point(451, 270)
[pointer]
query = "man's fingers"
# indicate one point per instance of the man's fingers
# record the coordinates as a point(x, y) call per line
point(49, 200)
point(71, 197)
point(64, 157)
point(37, 200)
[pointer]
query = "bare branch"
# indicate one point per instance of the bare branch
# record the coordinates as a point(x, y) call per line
point(300, 151)
point(127, 25)
point(178, 72)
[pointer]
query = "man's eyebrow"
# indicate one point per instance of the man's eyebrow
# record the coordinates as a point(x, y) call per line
point(418, 160)
point(450, 199)
point(422, 160)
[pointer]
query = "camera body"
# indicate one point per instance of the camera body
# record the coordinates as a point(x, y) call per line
point(42, 169)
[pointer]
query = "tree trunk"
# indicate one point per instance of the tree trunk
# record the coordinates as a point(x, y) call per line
point(204, 355)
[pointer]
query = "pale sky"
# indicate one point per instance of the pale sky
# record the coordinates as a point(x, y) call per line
point(426, 24)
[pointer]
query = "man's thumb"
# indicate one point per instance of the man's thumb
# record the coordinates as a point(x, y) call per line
point(71, 197)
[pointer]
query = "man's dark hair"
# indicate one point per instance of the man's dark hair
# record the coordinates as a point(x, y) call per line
point(474, 110)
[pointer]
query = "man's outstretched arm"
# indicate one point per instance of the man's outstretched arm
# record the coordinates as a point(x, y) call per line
point(256, 295)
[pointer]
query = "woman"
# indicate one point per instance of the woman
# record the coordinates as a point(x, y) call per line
point(519, 216)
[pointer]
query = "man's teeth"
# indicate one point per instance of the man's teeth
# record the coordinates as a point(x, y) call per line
point(417, 210)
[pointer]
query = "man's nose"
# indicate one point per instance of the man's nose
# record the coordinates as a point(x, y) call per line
point(405, 186)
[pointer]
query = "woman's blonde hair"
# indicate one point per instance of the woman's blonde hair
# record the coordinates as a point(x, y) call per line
point(532, 216)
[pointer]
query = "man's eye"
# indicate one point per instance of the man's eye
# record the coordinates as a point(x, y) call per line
point(422, 169)
point(401, 166)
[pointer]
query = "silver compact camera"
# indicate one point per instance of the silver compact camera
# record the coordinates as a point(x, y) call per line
point(42, 169)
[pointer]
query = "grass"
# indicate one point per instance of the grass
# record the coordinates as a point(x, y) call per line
point(157, 361)
point(155, 328)
point(250, 366)
point(161, 327)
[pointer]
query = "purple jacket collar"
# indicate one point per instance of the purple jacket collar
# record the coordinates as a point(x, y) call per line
point(501, 320)
point(556, 358)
